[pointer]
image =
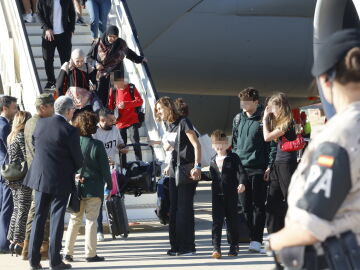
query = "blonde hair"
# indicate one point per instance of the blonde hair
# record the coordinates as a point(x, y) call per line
point(18, 124)
point(284, 118)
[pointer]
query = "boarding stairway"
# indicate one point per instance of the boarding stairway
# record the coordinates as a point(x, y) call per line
point(22, 59)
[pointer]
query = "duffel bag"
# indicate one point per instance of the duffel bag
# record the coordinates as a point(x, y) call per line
point(140, 178)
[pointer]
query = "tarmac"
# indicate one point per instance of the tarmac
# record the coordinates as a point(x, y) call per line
point(147, 243)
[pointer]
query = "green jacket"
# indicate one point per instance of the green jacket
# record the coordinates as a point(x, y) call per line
point(28, 133)
point(248, 141)
point(97, 169)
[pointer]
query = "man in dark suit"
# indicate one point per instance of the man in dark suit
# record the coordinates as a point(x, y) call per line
point(52, 172)
point(57, 19)
point(8, 109)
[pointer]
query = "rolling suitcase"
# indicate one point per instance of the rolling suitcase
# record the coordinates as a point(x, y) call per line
point(117, 216)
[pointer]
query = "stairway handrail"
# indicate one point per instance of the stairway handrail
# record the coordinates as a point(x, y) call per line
point(135, 33)
point(23, 27)
point(21, 79)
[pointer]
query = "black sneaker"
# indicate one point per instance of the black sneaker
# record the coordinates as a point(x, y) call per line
point(96, 258)
point(80, 20)
point(50, 86)
point(61, 266)
point(186, 253)
point(37, 267)
point(234, 250)
point(68, 258)
point(171, 252)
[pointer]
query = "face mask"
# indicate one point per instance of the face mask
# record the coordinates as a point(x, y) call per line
point(328, 107)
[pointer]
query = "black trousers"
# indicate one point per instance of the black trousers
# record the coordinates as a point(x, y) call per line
point(225, 206)
point(103, 90)
point(182, 219)
point(57, 206)
point(134, 138)
point(253, 201)
point(62, 43)
point(276, 205)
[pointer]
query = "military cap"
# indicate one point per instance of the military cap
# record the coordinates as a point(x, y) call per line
point(44, 99)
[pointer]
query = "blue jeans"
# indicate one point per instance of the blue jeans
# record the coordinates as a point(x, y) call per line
point(6, 209)
point(98, 11)
point(100, 228)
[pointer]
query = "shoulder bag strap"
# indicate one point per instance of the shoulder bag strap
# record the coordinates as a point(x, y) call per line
point(178, 144)
point(131, 89)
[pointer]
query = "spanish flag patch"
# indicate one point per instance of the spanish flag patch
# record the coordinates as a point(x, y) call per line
point(326, 161)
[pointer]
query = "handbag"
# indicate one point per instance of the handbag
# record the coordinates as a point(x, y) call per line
point(79, 95)
point(73, 204)
point(182, 171)
point(14, 171)
point(291, 146)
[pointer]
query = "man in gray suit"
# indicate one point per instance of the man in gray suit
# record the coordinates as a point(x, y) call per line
point(52, 172)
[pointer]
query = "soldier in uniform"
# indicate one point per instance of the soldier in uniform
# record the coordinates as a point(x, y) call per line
point(45, 108)
point(324, 194)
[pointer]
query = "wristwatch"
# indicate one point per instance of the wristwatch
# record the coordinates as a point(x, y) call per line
point(197, 166)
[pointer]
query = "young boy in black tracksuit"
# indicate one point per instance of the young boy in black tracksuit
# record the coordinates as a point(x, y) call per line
point(228, 179)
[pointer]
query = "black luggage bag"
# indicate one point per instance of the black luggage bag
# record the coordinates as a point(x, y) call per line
point(118, 220)
point(116, 213)
point(141, 176)
point(244, 231)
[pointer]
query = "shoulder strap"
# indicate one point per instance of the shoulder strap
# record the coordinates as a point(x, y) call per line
point(86, 157)
point(178, 144)
point(237, 120)
point(131, 89)
point(113, 89)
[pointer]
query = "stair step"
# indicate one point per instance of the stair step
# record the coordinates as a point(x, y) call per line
point(37, 50)
point(35, 28)
point(36, 40)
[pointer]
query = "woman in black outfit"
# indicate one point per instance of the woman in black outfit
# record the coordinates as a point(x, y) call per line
point(182, 220)
point(109, 52)
point(278, 123)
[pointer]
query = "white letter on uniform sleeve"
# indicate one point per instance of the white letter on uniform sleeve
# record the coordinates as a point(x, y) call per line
point(324, 183)
point(314, 174)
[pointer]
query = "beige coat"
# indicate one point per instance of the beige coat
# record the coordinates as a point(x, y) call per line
point(344, 130)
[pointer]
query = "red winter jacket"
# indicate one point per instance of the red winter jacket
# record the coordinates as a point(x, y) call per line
point(127, 116)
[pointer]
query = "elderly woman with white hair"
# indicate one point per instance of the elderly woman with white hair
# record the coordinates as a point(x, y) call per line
point(77, 80)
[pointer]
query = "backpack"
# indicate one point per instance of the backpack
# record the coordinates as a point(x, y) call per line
point(140, 113)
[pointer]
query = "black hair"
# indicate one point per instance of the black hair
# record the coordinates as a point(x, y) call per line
point(105, 112)
point(6, 101)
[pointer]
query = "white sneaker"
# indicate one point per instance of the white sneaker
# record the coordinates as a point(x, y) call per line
point(255, 247)
point(36, 18)
point(100, 237)
point(28, 18)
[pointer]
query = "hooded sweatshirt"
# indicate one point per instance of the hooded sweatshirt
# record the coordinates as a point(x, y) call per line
point(248, 143)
